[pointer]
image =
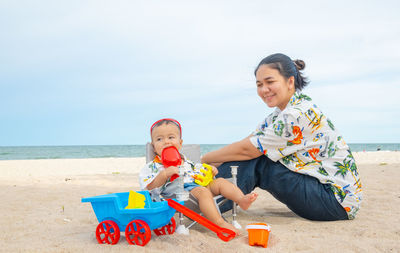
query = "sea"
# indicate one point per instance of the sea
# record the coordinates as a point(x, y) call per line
point(109, 151)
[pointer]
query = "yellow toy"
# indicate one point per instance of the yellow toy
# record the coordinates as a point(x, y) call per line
point(135, 200)
point(207, 178)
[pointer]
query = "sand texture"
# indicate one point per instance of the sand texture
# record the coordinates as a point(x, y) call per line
point(41, 211)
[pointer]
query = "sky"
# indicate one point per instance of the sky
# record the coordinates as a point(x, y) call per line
point(101, 72)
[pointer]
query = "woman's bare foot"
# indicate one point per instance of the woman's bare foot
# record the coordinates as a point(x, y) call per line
point(247, 200)
point(227, 225)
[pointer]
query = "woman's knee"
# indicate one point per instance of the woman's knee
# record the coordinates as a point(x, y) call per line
point(246, 178)
point(224, 170)
point(308, 198)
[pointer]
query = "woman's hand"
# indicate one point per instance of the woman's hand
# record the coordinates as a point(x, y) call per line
point(216, 165)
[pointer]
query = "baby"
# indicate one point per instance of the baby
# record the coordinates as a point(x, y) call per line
point(156, 178)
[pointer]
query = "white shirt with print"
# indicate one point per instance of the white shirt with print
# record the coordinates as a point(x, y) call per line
point(303, 139)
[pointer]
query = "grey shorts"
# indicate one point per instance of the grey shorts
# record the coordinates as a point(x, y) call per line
point(173, 187)
point(190, 186)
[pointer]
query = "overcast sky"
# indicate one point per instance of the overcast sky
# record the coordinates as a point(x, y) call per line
point(101, 72)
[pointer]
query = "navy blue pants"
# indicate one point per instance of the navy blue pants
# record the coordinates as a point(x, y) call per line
point(302, 194)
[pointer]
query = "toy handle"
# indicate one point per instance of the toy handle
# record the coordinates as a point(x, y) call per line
point(173, 177)
point(225, 234)
point(170, 157)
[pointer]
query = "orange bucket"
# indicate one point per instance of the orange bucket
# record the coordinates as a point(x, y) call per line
point(258, 234)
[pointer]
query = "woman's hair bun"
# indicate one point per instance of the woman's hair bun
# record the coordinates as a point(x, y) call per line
point(300, 65)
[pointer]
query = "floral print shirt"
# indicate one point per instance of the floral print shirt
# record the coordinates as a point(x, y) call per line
point(153, 168)
point(303, 139)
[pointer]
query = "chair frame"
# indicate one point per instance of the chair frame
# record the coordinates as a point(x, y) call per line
point(192, 152)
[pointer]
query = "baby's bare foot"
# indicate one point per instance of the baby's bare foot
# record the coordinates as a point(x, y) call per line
point(247, 200)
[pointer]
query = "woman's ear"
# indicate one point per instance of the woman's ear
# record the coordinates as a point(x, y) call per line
point(291, 82)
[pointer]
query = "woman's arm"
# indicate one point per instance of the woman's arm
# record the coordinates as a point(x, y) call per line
point(237, 151)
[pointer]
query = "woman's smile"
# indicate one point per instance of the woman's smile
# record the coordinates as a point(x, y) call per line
point(269, 96)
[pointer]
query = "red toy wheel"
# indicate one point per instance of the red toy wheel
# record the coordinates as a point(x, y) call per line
point(167, 229)
point(107, 232)
point(137, 232)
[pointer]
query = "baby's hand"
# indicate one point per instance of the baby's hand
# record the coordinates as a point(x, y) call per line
point(171, 171)
point(206, 176)
point(214, 170)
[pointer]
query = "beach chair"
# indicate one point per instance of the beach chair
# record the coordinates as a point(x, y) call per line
point(192, 152)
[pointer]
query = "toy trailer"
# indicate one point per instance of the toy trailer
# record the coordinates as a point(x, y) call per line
point(137, 223)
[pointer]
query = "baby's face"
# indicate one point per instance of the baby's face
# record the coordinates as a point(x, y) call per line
point(164, 136)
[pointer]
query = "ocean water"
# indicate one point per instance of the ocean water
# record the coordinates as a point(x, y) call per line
point(102, 151)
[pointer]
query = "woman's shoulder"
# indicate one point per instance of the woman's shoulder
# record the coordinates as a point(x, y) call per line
point(300, 103)
point(301, 108)
point(299, 98)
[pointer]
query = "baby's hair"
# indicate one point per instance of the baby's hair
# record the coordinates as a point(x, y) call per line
point(286, 68)
point(166, 121)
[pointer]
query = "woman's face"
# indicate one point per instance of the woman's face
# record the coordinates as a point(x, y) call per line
point(273, 88)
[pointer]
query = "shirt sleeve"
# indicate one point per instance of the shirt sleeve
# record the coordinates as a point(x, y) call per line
point(147, 174)
point(191, 170)
point(282, 137)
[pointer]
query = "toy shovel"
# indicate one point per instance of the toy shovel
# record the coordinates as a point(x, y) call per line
point(223, 233)
point(170, 157)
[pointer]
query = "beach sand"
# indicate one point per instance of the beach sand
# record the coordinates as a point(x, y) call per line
point(41, 211)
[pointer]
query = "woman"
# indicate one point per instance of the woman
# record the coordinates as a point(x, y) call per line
point(296, 153)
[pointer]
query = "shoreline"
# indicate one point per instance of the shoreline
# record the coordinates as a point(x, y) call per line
point(131, 151)
point(136, 157)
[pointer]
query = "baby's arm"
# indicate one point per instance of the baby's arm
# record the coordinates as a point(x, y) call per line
point(162, 177)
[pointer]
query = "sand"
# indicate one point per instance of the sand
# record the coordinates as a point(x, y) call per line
point(41, 211)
